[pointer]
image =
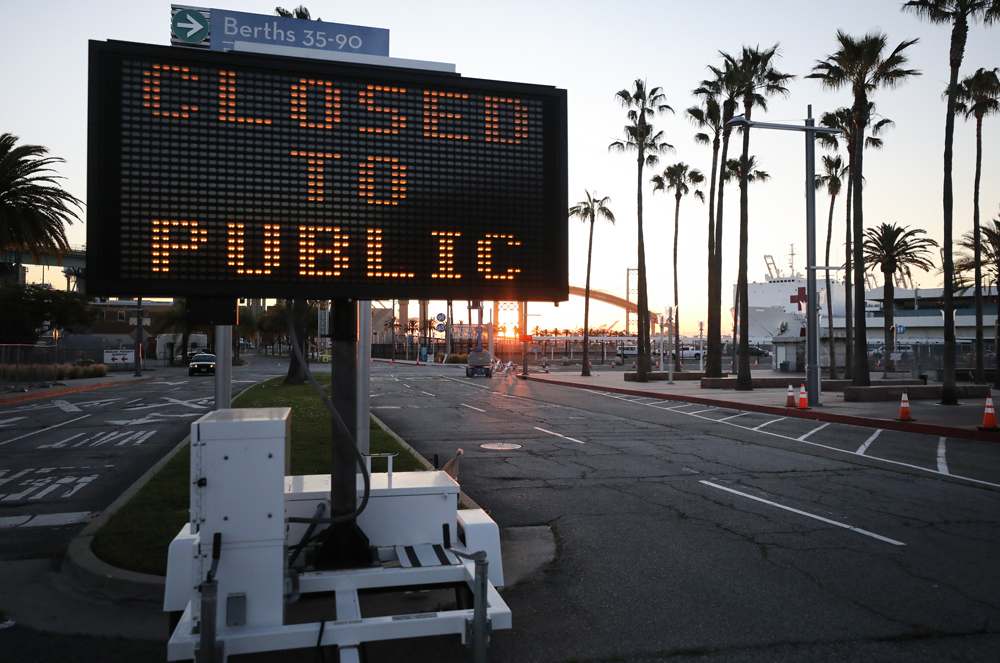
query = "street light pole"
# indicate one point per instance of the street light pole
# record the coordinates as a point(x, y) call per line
point(812, 314)
point(812, 301)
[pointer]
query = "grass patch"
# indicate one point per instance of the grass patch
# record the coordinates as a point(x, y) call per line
point(138, 535)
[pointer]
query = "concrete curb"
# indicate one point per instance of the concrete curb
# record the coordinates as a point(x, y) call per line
point(87, 573)
point(59, 392)
point(887, 424)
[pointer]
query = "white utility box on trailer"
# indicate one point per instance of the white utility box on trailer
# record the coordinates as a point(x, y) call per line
point(242, 497)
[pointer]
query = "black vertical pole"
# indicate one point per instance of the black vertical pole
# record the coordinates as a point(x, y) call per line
point(344, 396)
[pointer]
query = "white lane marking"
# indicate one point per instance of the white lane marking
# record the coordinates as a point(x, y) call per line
point(701, 411)
point(191, 404)
point(429, 394)
point(63, 443)
point(9, 422)
point(385, 407)
point(677, 407)
point(151, 418)
point(465, 383)
point(13, 521)
point(804, 513)
point(171, 384)
point(472, 408)
point(66, 406)
point(741, 414)
point(864, 447)
point(942, 463)
point(42, 430)
point(134, 400)
point(766, 423)
point(11, 477)
point(802, 438)
point(559, 435)
point(845, 451)
point(61, 482)
point(407, 386)
point(56, 519)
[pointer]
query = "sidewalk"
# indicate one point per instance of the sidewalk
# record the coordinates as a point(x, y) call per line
point(71, 386)
point(930, 418)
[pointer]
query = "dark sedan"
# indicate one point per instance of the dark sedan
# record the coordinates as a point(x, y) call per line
point(202, 364)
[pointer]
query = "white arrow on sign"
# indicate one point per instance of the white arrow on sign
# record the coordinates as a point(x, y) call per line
point(194, 25)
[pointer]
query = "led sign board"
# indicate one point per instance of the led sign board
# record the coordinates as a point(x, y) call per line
point(256, 176)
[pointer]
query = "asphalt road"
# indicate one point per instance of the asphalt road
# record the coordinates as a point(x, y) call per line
point(65, 458)
point(713, 535)
point(693, 533)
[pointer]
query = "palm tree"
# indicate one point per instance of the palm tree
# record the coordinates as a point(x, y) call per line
point(843, 119)
point(862, 65)
point(678, 178)
point(758, 80)
point(641, 137)
point(299, 12)
point(33, 208)
point(895, 249)
point(990, 259)
point(730, 172)
point(835, 172)
point(723, 86)
point(589, 210)
point(708, 116)
point(977, 96)
point(958, 13)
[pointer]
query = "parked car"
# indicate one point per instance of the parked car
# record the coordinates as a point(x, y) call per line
point(687, 352)
point(202, 364)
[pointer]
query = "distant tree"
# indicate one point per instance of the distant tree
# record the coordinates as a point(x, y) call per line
point(34, 210)
point(834, 174)
point(32, 310)
point(643, 103)
point(863, 65)
point(893, 249)
point(589, 210)
point(678, 178)
point(977, 96)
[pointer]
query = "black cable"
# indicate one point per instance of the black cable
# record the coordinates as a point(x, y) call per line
point(344, 431)
point(307, 537)
point(319, 649)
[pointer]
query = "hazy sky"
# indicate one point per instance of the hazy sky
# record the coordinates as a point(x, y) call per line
point(593, 49)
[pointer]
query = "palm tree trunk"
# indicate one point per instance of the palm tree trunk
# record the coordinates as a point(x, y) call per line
point(848, 279)
point(714, 367)
point(642, 316)
point(586, 305)
point(978, 257)
point(949, 393)
point(862, 376)
point(713, 362)
point(677, 313)
point(888, 304)
point(743, 380)
point(829, 293)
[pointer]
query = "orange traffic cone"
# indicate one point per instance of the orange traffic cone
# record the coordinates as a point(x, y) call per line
point(803, 399)
point(790, 400)
point(904, 409)
point(990, 417)
point(755, 363)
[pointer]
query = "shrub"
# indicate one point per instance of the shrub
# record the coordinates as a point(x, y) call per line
point(457, 359)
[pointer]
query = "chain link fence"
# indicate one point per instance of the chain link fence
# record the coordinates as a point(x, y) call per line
point(25, 366)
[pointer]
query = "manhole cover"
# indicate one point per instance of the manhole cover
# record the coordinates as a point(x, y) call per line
point(500, 446)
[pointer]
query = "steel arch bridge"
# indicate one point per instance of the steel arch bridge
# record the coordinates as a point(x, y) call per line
point(608, 298)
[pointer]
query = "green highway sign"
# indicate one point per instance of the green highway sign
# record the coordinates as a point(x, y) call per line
point(189, 26)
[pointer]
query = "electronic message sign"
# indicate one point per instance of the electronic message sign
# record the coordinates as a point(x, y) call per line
point(257, 176)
